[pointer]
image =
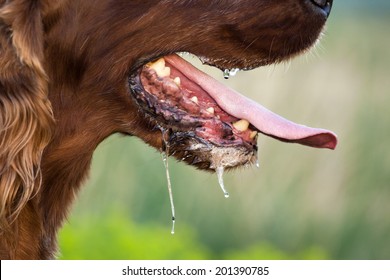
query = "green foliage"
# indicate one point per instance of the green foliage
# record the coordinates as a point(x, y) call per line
point(266, 251)
point(119, 238)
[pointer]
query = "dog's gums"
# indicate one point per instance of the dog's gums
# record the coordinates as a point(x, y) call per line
point(208, 122)
point(199, 131)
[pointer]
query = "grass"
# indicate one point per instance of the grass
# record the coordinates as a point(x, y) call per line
point(302, 203)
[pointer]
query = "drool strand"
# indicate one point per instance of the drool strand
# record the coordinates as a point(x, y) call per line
point(219, 170)
point(165, 155)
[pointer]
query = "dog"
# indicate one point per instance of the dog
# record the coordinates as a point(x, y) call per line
point(73, 72)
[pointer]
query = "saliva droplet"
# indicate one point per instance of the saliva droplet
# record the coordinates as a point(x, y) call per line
point(226, 74)
point(220, 171)
point(233, 72)
point(257, 161)
point(173, 225)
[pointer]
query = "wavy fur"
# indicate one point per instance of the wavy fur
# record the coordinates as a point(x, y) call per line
point(26, 117)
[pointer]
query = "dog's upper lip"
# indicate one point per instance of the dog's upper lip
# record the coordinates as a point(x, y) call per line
point(263, 119)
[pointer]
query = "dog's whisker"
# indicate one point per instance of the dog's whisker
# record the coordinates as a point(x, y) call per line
point(286, 65)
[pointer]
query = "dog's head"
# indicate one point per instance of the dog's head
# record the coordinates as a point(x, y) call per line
point(112, 66)
point(129, 52)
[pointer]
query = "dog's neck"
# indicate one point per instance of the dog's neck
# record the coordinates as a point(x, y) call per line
point(65, 165)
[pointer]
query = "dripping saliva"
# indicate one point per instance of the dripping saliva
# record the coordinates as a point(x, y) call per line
point(257, 162)
point(227, 73)
point(165, 155)
point(220, 170)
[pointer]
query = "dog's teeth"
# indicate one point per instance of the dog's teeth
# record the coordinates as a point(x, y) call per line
point(166, 72)
point(253, 135)
point(177, 81)
point(194, 99)
point(241, 125)
point(211, 110)
point(159, 67)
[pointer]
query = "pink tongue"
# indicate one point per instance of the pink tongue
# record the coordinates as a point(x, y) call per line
point(263, 119)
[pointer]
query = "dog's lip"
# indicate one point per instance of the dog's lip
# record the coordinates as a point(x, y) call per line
point(205, 140)
point(178, 104)
point(263, 119)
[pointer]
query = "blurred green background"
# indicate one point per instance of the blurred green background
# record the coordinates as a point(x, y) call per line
point(301, 204)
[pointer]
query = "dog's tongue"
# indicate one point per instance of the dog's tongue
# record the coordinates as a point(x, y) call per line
point(263, 119)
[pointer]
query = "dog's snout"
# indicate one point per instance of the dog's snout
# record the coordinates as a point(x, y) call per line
point(325, 5)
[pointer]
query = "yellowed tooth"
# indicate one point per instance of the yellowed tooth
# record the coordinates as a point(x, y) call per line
point(157, 65)
point(211, 110)
point(241, 125)
point(166, 72)
point(253, 135)
point(177, 81)
point(194, 99)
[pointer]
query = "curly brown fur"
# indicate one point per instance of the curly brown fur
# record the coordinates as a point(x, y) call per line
point(25, 112)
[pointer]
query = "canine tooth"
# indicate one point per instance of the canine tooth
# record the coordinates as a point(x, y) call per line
point(253, 135)
point(211, 110)
point(241, 125)
point(177, 81)
point(194, 99)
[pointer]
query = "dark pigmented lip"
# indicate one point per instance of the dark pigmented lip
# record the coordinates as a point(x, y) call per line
point(204, 140)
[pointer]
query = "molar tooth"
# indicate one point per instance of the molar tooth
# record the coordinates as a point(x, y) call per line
point(177, 81)
point(241, 125)
point(211, 110)
point(194, 99)
point(253, 135)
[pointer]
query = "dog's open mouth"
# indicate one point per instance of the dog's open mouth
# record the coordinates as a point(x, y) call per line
point(208, 124)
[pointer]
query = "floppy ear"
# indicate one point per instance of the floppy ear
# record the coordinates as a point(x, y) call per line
point(26, 117)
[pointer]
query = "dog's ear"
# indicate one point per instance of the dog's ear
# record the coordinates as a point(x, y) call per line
point(26, 118)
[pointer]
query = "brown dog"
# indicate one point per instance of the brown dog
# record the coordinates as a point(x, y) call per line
point(73, 72)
